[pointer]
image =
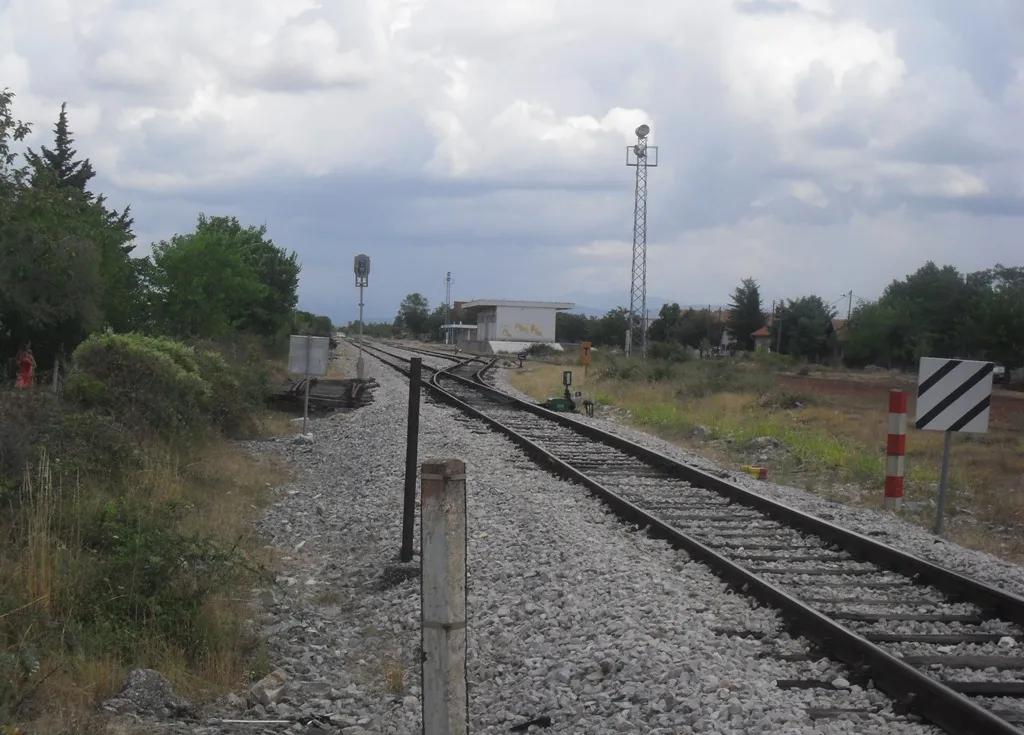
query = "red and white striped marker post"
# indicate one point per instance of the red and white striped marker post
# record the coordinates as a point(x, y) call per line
point(896, 448)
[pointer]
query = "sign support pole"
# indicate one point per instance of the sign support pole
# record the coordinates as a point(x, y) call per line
point(302, 348)
point(943, 481)
point(953, 395)
point(360, 365)
point(305, 402)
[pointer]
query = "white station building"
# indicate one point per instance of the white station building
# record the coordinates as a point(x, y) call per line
point(511, 326)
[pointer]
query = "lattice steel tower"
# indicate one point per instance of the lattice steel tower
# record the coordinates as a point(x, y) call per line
point(642, 156)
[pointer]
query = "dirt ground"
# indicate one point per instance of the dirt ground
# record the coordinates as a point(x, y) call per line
point(1007, 409)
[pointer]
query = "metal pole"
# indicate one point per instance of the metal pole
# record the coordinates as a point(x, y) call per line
point(943, 480)
point(411, 450)
point(360, 365)
point(305, 403)
point(56, 373)
point(443, 597)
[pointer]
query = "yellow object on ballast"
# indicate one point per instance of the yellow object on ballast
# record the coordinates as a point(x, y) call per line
point(761, 473)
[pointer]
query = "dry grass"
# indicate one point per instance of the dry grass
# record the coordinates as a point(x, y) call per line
point(219, 489)
point(394, 674)
point(834, 445)
point(279, 423)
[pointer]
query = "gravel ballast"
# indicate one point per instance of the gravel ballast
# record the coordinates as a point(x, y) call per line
point(573, 615)
point(885, 526)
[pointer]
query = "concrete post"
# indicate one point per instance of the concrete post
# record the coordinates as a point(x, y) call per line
point(896, 448)
point(443, 596)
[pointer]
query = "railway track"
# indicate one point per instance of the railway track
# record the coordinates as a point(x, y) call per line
point(943, 645)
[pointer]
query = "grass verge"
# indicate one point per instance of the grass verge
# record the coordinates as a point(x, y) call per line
point(824, 433)
point(124, 529)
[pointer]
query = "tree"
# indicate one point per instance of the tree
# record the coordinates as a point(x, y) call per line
point(610, 330)
point(571, 328)
point(413, 315)
point(204, 285)
point(691, 328)
point(61, 160)
point(663, 326)
point(436, 320)
point(110, 231)
point(745, 315)
point(804, 328)
point(305, 322)
point(699, 330)
point(275, 268)
point(223, 278)
point(939, 302)
point(50, 274)
point(1002, 323)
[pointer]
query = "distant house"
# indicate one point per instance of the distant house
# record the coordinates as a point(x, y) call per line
point(511, 326)
point(762, 338)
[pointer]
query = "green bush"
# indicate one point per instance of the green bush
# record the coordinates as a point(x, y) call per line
point(702, 378)
point(773, 360)
point(160, 385)
point(226, 405)
point(85, 444)
point(649, 371)
point(148, 578)
point(146, 382)
point(614, 368)
point(668, 351)
point(82, 445)
point(21, 414)
point(541, 350)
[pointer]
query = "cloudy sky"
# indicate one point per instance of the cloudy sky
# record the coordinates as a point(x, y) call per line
point(819, 146)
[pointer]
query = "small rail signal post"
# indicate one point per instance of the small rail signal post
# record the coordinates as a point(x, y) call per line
point(585, 356)
point(362, 271)
point(953, 396)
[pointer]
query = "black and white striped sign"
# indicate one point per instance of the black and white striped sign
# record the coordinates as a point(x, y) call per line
point(953, 395)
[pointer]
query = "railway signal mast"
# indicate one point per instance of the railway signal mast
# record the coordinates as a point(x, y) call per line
point(361, 266)
point(642, 156)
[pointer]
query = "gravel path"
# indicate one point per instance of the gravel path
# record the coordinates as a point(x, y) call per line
point(572, 615)
point(884, 526)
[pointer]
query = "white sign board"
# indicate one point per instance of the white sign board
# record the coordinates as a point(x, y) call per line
point(954, 395)
point(316, 349)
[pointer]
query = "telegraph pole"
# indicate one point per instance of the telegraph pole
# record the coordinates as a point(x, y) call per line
point(778, 340)
point(643, 157)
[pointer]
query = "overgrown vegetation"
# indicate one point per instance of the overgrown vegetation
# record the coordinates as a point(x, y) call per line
point(933, 312)
point(822, 429)
point(124, 514)
point(125, 526)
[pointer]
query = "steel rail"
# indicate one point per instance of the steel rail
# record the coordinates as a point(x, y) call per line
point(946, 708)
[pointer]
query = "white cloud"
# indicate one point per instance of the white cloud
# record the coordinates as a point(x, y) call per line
point(783, 126)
